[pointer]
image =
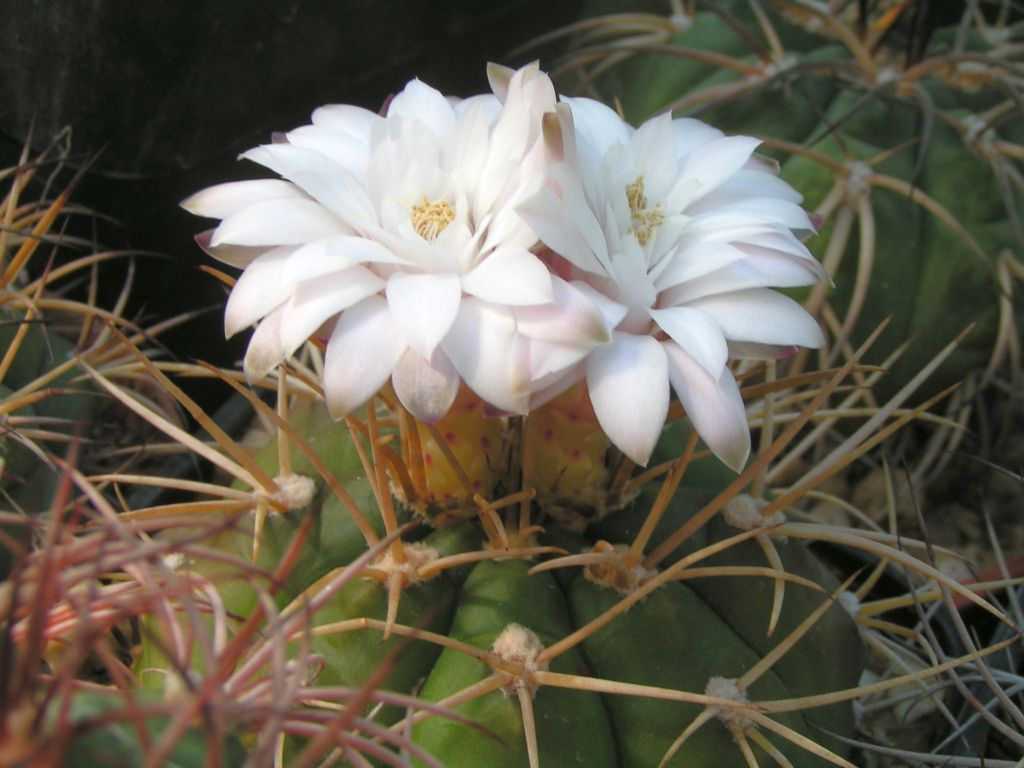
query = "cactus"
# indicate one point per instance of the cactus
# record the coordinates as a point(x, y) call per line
point(43, 401)
point(552, 641)
point(266, 608)
point(396, 568)
point(508, 558)
point(899, 122)
point(660, 633)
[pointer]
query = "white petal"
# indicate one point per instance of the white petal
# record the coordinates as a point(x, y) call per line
point(752, 184)
point(762, 164)
point(287, 221)
point(260, 289)
point(265, 349)
point(285, 159)
point(532, 86)
point(598, 126)
point(222, 200)
point(738, 223)
point(340, 193)
point(573, 318)
point(427, 388)
point(334, 254)
point(763, 316)
point(774, 211)
point(319, 176)
point(549, 217)
point(510, 276)
point(714, 406)
point(548, 360)
point(505, 227)
point(628, 383)
point(420, 102)
point(760, 271)
point(470, 145)
point(725, 226)
point(653, 147)
point(240, 256)
point(488, 102)
point(361, 250)
point(612, 311)
point(342, 148)
point(785, 242)
point(490, 356)
point(634, 287)
point(361, 353)
point(567, 224)
point(355, 121)
point(711, 165)
point(515, 139)
point(695, 332)
point(313, 302)
point(498, 77)
point(424, 307)
point(693, 260)
point(692, 134)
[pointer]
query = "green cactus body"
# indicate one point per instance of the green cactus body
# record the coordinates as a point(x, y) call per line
point(905, 143)
point(572, 727)
point(675, 639)
point(16, 456)
point(36, 354)
point(672, 639)
point(30, 397)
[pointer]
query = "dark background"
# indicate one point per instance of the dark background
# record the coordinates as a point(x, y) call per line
point(161, 97)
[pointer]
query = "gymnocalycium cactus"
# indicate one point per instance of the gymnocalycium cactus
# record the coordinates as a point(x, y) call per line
point(501, 292)
point(657, 632)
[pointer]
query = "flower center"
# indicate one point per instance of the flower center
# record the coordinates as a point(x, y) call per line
point(645, 220)
point(430, 219)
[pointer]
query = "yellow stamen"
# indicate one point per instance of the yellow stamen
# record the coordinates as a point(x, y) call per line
point(430, 219)
point(645, 220)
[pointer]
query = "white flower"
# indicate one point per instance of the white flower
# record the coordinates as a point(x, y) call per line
point(397, 238)
point(677, 231)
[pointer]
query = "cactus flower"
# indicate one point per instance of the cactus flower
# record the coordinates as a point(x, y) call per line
point(518, 246)
point(677, 232)
point(396, 238)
